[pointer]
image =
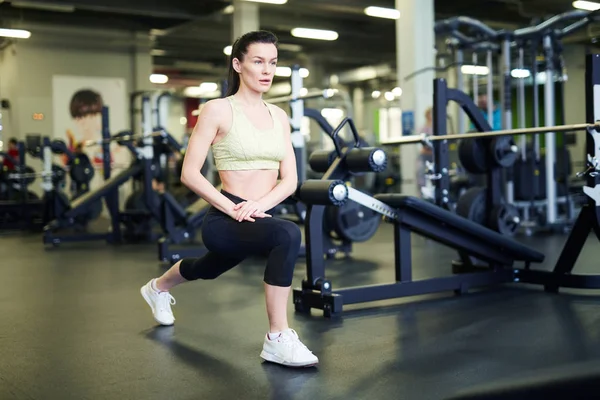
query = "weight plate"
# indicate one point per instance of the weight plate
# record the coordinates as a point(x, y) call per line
point(471, 205)
point(59, 175)
point(472, 156)
point(354, 222)
point(505, 219)
point(504, 151)
point(58, 146)
point(81, 169)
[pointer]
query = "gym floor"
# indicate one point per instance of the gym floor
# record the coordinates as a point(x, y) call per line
point(74, 326)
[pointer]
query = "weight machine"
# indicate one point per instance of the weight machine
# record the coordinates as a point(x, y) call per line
point(487, 257)
point(65, 219)
point(538, 183)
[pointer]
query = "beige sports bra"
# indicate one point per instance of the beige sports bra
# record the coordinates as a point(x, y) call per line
point(246, 147)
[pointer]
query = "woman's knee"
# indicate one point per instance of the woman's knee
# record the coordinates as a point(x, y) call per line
point(290, 234)
point(282, 259)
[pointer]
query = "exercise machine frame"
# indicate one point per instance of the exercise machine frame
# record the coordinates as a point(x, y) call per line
point(317, 291)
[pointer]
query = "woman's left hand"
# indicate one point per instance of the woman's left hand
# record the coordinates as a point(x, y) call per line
point(248, 209)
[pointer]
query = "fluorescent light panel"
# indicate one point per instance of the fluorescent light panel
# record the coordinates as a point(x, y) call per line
point(317, 34)
point(15, 33)
point(520, 73)
point(268, 1)
point(474, 70)
point(381, 12)
point(159, 78)
point(208, 87)
point(586, 5)
point(287, 72)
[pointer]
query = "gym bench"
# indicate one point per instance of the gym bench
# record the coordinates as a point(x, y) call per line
point(487, 257)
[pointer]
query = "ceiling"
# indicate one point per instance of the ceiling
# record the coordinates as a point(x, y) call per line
point(188, 36)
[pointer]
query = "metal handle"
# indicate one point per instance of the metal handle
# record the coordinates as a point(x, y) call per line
point(337, 130)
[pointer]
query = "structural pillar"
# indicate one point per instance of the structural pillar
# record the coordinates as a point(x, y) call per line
point(245, 18)
point(415, 50)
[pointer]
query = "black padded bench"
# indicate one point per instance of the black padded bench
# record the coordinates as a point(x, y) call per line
point(423, 217)
point(487, 257)
point(83, 203)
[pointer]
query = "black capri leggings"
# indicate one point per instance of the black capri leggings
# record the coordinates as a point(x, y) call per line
point(229, 242)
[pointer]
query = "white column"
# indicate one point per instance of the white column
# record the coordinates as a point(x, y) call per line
point(415, 44)
point(358, 103)
point(245, 18)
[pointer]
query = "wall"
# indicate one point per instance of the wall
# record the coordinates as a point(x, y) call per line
point(574, 100)
point(28, 68)
point(37, 66)
point(8, 90)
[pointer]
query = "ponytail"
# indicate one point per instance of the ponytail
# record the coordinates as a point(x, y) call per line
point(233, 79)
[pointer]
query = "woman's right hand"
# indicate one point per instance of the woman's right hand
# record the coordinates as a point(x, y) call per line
point(234, 213)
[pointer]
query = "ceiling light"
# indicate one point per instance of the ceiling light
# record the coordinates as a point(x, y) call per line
point(303, 91)
point(283, 71)
point(520, 73)
point(201, 91)
point(389, 96)
point(15, 33)
point(474, 70)
point(397, 91)
point(332, 113)
point(586, 5)
point(375, 94)
point(318, 34)
point(328, 93)
point(229, 9)
point(268, 1)
point(159, 78)
point(157, 52)
point(287, 72)
point(38, 5)
point(208, 87)
point(227, 50)
point(192, 91)
point(381, 12)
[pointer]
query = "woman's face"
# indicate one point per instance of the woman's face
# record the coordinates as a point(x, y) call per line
point(258, 67)
point(89, 127)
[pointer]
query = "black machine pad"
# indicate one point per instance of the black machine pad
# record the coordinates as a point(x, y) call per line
point(415, 205)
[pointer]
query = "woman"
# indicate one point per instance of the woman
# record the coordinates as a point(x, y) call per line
point(251, 144)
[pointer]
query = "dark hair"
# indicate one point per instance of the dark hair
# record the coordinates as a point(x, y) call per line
point(239, 50)
point(86, 102)
point(12, 140)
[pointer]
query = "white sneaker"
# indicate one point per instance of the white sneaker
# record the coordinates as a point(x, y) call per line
point(160, 303)
point(288, 350)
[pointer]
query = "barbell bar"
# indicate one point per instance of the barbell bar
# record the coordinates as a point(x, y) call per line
point(311, 94)
point(121, 138)
point(424, 138)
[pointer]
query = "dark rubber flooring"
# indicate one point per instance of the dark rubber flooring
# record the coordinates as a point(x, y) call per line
point(74, 326)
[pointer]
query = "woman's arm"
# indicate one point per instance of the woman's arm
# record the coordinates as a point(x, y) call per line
point(288, 174)
point(205, 131)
